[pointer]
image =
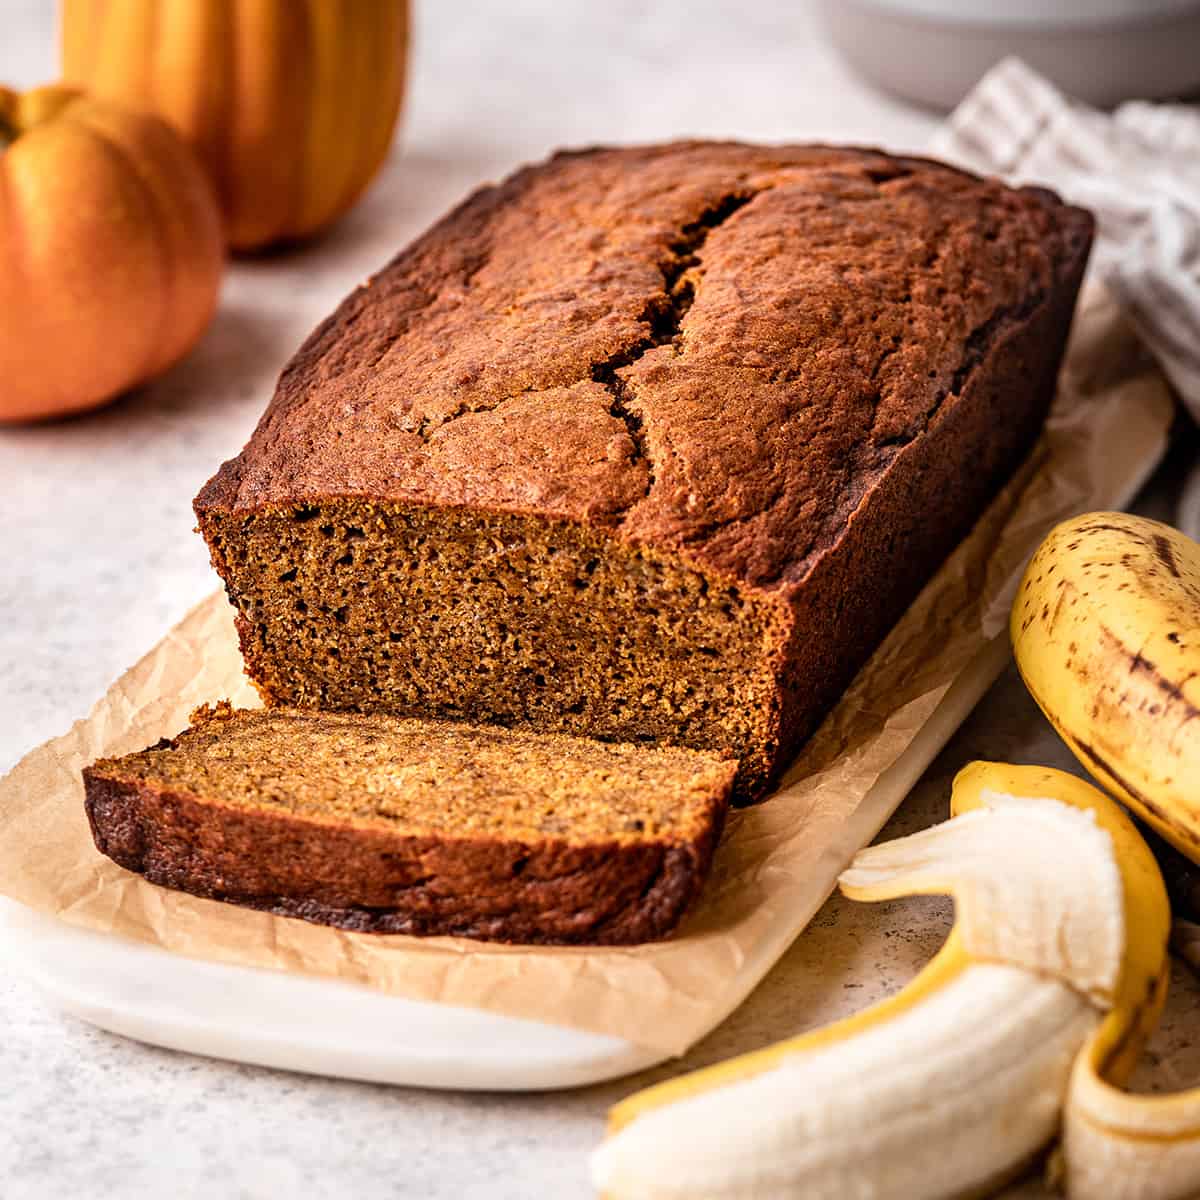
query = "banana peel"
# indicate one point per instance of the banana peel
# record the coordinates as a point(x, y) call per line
point(1038, 1003)
point(1106, 634)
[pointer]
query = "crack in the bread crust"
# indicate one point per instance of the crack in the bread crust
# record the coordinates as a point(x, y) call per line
point(664, 314)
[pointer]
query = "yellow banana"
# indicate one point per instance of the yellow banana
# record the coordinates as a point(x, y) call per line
point(1106, 632)
point(1118, 1146)
point(951, 1086)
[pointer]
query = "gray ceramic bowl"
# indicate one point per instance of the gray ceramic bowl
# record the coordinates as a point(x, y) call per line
point(1099, 51)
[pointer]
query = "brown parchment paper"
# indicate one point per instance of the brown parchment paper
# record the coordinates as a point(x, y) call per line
point(777, 862)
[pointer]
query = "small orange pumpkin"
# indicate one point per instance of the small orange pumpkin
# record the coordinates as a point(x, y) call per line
point(290, 104)
point(110, 251)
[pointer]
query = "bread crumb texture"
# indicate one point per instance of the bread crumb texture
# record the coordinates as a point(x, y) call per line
point(392, 825)
point(646, 444)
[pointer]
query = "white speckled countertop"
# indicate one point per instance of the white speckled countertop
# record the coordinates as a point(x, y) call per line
point(99, 560)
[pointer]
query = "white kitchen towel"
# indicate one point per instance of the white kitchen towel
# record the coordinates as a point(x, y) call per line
point(1137, 169)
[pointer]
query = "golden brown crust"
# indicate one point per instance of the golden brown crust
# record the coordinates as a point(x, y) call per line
point(720, 345)
point(797, 372)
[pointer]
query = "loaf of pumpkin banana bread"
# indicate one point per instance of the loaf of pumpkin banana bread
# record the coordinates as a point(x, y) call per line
point(394, 825)
point(646, 444)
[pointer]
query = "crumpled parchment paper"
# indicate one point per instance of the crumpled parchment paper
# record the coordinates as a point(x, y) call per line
point(777, 862)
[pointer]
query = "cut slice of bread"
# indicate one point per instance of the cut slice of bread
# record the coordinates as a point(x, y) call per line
point(395, 825)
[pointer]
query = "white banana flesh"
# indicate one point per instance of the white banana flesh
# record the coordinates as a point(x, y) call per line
point(1106, 633)
point(973, 1076)
point(1118, 1146)
point(944, 1089)
point(1017, 899)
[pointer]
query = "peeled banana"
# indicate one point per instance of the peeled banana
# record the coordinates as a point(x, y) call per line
point(1033, 1014)
point(955, 1083)
point(1106, 633)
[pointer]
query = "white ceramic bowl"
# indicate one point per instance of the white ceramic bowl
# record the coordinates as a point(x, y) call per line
point(1100, 51)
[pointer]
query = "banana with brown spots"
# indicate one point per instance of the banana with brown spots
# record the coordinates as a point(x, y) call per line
point(1106, 631)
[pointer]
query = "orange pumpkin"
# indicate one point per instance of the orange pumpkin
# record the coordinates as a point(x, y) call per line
point(290, 104)
point(110, 251)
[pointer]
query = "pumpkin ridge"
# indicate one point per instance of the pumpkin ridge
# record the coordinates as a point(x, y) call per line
point(10, 214)
point(324, 91)
point(111, 252)
point(154, 361)
point(383, 119)
point(364, 111)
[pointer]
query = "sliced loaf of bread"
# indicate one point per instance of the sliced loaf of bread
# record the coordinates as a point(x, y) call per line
point(395, 825)
point(654, 442)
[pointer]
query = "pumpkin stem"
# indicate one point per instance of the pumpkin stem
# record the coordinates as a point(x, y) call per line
point(8, 128)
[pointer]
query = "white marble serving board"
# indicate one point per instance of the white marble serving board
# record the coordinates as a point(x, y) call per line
point(326, 1027)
